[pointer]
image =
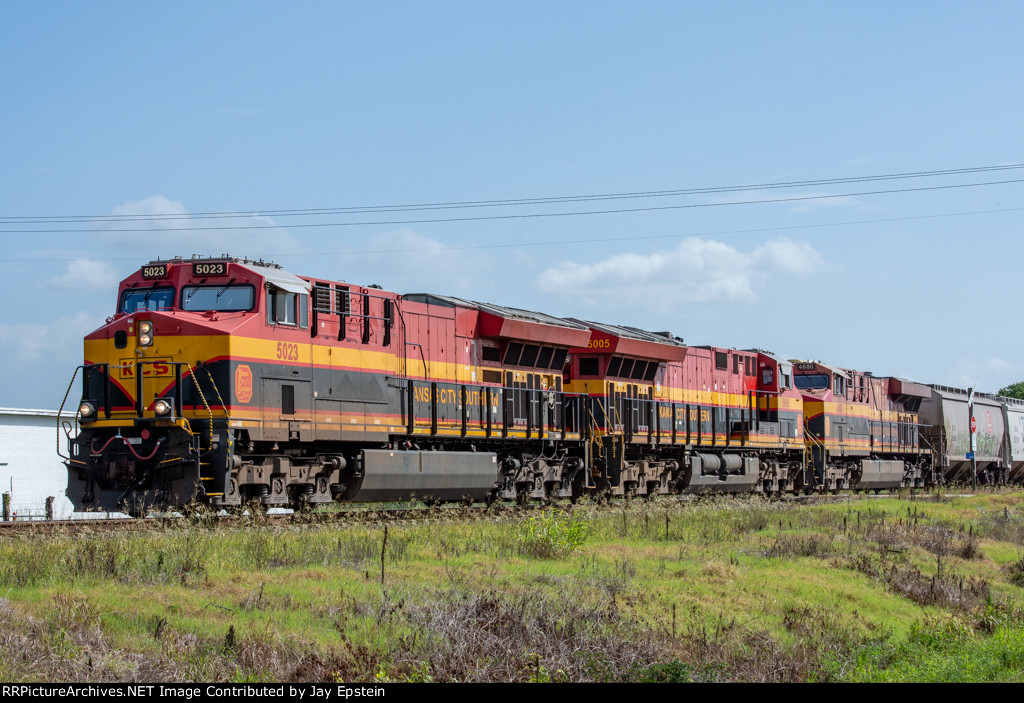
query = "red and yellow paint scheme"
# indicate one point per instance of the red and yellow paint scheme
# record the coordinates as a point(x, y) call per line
point(228, 380)
point(862, 430)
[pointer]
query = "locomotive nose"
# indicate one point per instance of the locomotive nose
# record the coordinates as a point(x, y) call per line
point(136, 368)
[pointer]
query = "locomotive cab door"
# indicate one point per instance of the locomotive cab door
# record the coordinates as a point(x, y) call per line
point(768, 392)
point(287, 410)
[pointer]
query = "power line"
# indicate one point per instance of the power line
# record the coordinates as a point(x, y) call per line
point(510, 202)
point(801, 198)
point(588, 240)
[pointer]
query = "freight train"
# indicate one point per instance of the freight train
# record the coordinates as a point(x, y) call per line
point(228, 381)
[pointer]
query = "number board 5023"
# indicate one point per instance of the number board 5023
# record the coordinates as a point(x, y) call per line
point(217, 268)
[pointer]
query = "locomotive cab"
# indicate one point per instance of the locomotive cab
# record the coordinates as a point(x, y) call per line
point(162, 380)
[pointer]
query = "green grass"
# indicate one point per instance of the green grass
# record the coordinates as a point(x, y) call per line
point(879, 589)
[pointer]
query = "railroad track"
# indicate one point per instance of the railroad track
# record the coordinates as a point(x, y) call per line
point(360, 515)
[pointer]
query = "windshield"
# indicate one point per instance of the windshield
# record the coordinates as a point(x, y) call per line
point(147, 299)
point(223, 298)
point(811, 381)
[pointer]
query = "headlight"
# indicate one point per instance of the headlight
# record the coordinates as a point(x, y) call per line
point(163, 406)
point(86, 409)
point(145, 340)
point(145, 333)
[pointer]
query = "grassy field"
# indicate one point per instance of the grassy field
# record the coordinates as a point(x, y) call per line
point(865, 589)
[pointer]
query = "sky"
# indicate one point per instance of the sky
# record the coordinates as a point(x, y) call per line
point(247, 110)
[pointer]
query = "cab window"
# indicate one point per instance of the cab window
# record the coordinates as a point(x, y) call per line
point(811, 381)
point(284, 308)
point(222, 298)
point(147, 299)
point(840, 385)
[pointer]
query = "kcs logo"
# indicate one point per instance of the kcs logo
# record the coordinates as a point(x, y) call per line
point(158, 368)
point(243, 383)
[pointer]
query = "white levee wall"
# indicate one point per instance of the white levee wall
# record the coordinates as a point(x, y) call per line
point(30, 468)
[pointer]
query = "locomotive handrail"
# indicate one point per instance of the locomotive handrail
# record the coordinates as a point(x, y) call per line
point(820, 444)
point(216, 390)
point(925, 440)
point(202, 396)
point(61, 410)
point(816, 441)
point(343, 316)
point(592, 432)
point(67, 427)
point(422, 358)
point(405, 343)
point(349, 313)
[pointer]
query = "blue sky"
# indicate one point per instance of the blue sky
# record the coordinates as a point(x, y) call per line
point(182, 108)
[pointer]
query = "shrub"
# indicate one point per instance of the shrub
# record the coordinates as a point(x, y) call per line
point(550, 535)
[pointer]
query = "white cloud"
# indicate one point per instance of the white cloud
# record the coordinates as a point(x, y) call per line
point(56, 341)
point(411, 262)
point(696, 271)
point(177, 233)
point(789, 256)
point(87, 274)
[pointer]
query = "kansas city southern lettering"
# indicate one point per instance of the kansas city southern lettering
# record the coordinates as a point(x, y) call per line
point(680, 414)
point(450, 396)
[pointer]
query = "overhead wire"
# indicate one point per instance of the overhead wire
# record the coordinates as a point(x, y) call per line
point(557, 242)
point(797, 198)
point(508, 202)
